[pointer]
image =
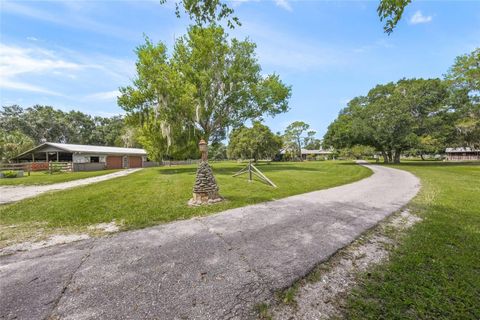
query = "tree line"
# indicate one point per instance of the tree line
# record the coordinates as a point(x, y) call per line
point(415, 116)
point(24, 128)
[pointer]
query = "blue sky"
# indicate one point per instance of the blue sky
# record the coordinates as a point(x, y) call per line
point(75, 54)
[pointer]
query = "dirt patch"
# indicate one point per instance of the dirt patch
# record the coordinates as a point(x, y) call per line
point(53, 240)
point(321, 294)
point(105, 227)
point(41, 238)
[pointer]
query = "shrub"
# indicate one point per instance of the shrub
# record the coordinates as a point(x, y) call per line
point(9, 174)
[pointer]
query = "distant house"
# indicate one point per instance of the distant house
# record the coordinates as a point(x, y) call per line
point(308, 153)
point(84, 157)
point(459, 154)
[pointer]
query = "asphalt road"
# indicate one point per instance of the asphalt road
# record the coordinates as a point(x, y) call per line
point(216, 267)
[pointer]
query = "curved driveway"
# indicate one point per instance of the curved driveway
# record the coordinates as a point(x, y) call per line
point(16, 193)
point(214, 267)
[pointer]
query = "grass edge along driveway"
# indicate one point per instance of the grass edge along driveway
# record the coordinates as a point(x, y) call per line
point(43, 177)
point(435, 271)
point(159, 195)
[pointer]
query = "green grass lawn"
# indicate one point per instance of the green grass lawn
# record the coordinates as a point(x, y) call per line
point(157, 195)
point(435, 272)
point(43, 177)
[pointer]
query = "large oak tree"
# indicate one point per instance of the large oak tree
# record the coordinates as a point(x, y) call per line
point(207, 85)
point(393, 118)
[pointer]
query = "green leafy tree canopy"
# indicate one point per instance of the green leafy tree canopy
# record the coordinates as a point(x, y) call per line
point(293, 136)
point(208, 84)
point(257, 142)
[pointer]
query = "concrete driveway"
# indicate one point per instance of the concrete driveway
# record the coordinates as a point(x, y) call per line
point(216, 267)
point(16, 193)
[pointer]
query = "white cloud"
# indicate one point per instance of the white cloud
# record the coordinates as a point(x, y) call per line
point(106, 95)
point(6, 83)
point(71, 17)
point(284, 4)
point(418, 17)
point(62, 72)
point(16, 62)
point(237, 3)
point(284, 52)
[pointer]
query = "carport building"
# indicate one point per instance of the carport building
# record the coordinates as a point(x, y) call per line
point(85, 157)
point(462, 154)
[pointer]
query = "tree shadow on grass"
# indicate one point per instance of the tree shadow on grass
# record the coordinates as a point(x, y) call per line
point(415, 163)
point(234, 168)
point(352, 163)
point(173, 170)
point(192, 170)
point(435, 164)
point(273, 167)
point(255, 179)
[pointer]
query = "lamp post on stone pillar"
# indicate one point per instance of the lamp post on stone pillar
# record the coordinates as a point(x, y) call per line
point(205, 189)
point(203, 146)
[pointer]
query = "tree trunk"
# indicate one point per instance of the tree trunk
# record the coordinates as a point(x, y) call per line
point(385, 157)
point(300, 149)
point(421, 156)
point(390, 156)
point(397, 156)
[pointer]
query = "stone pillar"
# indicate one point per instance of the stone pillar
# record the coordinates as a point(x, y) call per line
point(205, 190)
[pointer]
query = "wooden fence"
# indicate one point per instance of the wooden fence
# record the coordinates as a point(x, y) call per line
point(178, 162)
point(148, 164)
point(51, 167)
point(39, 166)
point(16, 167)
point(60, 167)
point(463, 156)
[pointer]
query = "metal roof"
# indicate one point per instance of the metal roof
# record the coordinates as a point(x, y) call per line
point(80, 148)
point(462, 149)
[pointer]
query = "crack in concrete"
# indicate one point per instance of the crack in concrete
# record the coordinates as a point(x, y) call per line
point(232, 248)
point(56, 302)
point(260, 286)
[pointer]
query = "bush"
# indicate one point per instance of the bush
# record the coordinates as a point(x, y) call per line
point(10, 174)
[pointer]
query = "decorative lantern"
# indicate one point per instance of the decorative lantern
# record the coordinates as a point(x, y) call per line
point(203, 146)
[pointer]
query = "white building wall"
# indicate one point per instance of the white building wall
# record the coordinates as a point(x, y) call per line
point(85, 158)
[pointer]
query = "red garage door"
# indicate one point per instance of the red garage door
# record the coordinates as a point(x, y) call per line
point(114, 162)
point(134, 162)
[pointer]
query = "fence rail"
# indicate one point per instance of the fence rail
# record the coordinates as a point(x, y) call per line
point(178, 162)
point(60, 167)
point(148, 164)
point(16, 167)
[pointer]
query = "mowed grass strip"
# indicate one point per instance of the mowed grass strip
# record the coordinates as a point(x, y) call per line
point(158, 195)
point(435, 272)
point(42, 177)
